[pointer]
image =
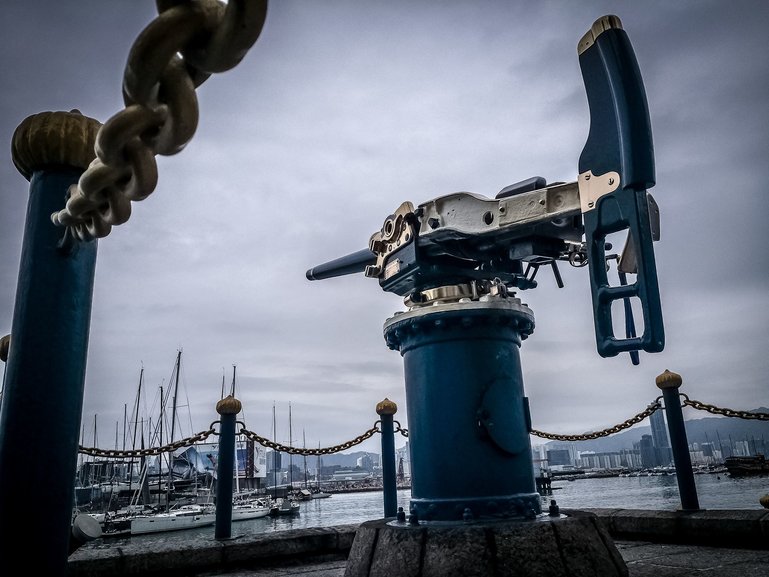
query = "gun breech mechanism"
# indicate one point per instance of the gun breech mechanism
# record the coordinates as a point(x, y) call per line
point(464, 245)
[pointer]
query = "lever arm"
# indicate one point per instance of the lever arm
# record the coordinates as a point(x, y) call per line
point(615, 169)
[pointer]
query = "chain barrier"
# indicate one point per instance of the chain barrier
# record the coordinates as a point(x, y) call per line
point(721, 411)
point(202, 436)
point(171, 57)
point(171, 447)
point(648, 411)
point(311, 452)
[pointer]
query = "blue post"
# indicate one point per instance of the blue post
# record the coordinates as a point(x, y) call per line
point(228, 407)
point(45, 381)
point(464, 394)
point(669, 382)
point(386, 409)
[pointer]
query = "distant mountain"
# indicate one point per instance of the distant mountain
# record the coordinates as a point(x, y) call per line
point(704, 430)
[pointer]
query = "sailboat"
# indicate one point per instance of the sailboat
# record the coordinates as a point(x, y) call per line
point(317, 493)
point(141, 516)
point(245, 504)
point(280, 505)
point(182, 517)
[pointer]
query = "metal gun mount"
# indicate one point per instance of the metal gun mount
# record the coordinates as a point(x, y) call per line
point(464, 245)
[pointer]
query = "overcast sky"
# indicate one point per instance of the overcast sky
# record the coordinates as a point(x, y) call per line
point(342, 110)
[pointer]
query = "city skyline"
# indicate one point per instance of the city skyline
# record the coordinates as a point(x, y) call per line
point(340, 112)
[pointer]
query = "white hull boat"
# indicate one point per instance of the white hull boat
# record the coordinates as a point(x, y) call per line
point(187, 517)
point(254, 510)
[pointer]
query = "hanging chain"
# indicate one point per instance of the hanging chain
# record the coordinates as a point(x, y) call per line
point(169, 448)
point(311, 452)
point(726, 412)
point(202, 436)
point(648, 411)
point(171, 57)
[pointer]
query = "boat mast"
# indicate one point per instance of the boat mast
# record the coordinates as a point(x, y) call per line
point(290, 455)
point(125, 421)
point(95, 444)
point(237, 474)
point(81, 471)
point(173, 429)
point(274, 457)
point(304, 446)
point(176, 392)
point(136, 425)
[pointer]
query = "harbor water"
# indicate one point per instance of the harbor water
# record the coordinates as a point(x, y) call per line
point(715, 491)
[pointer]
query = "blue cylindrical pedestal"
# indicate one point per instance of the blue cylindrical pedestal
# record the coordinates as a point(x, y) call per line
point(468, 416)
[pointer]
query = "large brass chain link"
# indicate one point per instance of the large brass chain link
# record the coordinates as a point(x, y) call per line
point(721, 411)
point(401, 430)
point(171, 57)
point(311, 452)
point(648, 411)
point(169, 448)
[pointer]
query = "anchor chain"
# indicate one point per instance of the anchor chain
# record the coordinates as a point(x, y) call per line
point(171, 57)
point(170, 447)
point(311, 452)
point(648, 411)
point(722, 411)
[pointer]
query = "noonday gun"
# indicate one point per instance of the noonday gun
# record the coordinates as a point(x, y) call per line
point(465, 245)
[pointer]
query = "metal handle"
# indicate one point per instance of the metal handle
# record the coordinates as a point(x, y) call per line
point(616, 167)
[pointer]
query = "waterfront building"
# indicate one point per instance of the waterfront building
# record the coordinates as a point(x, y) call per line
point(648, 454)
point(403, 462)
point(559, 457)
point(606, 460)
point(659, 430)
point(350, 475)
point(365, 462)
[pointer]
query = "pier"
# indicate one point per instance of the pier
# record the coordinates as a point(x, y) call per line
point(651, 543)
point(458, 263)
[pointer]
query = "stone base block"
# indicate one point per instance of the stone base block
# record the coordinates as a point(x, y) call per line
point(576, 545)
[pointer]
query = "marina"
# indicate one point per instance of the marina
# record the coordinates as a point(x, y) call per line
point(656, 493)
point(481, 499)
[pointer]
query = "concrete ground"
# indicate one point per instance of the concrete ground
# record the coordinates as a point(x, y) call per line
point(643, 560)
point(718, 543)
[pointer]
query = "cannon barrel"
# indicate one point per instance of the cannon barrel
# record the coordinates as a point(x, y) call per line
point(348, 264)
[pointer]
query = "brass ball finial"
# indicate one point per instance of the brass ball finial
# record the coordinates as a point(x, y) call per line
point(50, 139)
point(669, 380)
point(5, 345)
point(386, 407)
point(228, 406)
point(764, 500)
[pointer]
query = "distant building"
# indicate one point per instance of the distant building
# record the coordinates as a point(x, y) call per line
point(365, 462)
point(350, 475)
point(592, 460)
point(647, 452)
point(659, 430)
point(403, 462)
point(558, 457)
